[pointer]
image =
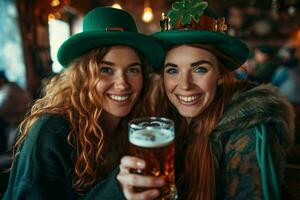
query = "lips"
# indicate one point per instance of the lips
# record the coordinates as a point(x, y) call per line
point(188, 100)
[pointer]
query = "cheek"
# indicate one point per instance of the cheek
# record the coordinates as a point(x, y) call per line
point(100, 88)
point(140, 83)
point(103, 85)
point(208, 84)
point(168, 84)
point(137, 83)
point(211, 88)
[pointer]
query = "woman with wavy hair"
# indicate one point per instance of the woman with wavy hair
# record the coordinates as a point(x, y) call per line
point(231, 137)
point(72, 139)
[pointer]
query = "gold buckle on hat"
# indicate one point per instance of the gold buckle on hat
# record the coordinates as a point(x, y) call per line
point(121, 29)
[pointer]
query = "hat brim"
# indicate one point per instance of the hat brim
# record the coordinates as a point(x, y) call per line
point(81, 43)
point(230, 46)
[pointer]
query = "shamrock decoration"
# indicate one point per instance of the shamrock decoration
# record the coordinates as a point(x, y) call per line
point(185, 11)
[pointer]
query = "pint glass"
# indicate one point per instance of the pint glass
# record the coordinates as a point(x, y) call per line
point(152, 139)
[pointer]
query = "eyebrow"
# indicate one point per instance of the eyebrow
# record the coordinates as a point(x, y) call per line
point(170, 65)
point(107, 62)
point(113, 64)
point(135, 64)
point(192, 65)
point(200, 62)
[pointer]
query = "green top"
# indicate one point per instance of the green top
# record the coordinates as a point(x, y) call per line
point(44, 166)
point(250, 145)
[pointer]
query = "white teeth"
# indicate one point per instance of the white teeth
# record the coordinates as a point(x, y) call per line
point(119, 98)
point(188, 98)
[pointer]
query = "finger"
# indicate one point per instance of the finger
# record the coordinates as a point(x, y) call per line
point(133, 162)
point(140, 180)
point(124, 170)
point(127, 170)
point(146, 195)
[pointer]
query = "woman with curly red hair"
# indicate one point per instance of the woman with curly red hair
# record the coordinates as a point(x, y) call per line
point(75, 134)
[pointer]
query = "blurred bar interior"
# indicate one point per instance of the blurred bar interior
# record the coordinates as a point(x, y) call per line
point(32, 30)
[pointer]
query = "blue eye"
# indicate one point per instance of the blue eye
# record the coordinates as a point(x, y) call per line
point(134, 70)
point(171, 70)
point(106, 70)
point(200, 69)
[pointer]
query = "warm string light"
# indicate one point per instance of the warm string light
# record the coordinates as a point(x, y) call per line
point(55, 3)
point(52, 16)
point(147, 14)
point(117, 5)
point(53, 10)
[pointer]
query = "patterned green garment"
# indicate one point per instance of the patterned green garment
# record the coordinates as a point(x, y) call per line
point(250, 145)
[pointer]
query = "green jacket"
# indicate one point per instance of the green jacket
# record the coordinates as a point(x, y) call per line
point(250, 144)
point(44, 167)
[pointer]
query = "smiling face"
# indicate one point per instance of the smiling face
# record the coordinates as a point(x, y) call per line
point(191, 77)
point(121, 80)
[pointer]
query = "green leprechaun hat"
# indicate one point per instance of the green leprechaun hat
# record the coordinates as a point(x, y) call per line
point(106, 26)
point(191, 22)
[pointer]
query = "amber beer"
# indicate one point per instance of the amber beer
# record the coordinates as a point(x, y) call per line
point(152, 139)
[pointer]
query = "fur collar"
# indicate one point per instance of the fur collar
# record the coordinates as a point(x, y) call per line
point(261, 104)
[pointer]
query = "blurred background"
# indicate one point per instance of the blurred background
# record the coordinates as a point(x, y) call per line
point(32, 30)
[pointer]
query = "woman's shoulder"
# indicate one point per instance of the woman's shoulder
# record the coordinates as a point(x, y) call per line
point(47, 137)
point(49, 127)
point(263, 104)
point(51, 122)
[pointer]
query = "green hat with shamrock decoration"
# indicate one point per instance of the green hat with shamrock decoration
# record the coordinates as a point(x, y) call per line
point(106, 26)
point(192, 22)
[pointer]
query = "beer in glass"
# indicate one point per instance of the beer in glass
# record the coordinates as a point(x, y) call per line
point(152, 139)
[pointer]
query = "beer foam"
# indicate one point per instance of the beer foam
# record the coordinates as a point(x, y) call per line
point(151, 138)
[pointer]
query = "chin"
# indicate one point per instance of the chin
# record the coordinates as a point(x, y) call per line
point(191, 113)
point(120, 114)
point(188, 114)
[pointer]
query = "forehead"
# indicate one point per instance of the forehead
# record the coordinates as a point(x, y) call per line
point(121, 53)
point(189, 54)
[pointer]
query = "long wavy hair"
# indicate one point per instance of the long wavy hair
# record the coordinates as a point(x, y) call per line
point(199, 168)
point(73, 94)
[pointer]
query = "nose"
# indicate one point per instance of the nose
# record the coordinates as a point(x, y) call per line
point(185, 81)
point(121, 82)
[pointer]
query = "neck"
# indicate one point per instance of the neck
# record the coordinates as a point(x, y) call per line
point(188, 120)
point(109, 122)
